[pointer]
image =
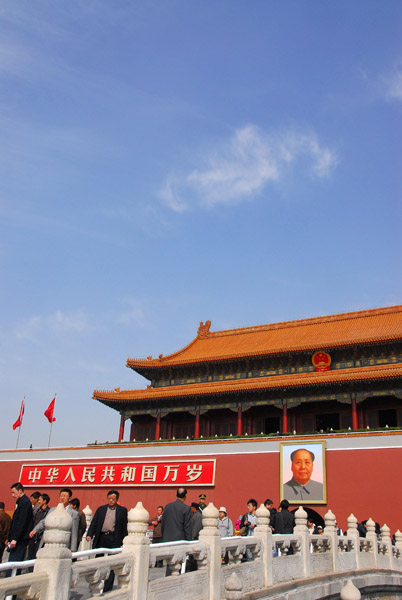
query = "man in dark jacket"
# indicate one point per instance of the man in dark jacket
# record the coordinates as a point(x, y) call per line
point(284, 521)
point(108, 528)
point(196, 520)
point(82, 525)
point(21, 523)
point(39, 515)
point(5, 523)
point(176, 519)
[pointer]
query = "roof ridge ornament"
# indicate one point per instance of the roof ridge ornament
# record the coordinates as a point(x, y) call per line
point(203, 330)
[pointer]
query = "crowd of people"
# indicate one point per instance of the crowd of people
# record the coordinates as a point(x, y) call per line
point(22, 535)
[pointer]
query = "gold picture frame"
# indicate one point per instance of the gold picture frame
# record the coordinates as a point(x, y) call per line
point(303, 472)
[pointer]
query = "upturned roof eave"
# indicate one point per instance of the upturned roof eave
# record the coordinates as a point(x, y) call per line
point(142, 365)
point(278, 382)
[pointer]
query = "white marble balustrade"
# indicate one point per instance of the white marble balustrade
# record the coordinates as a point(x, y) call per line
point(221, 570)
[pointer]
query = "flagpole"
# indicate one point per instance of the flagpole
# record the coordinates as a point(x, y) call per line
point(51, 425)
point(19, 429)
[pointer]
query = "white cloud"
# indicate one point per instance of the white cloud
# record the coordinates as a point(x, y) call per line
point(58, 322)
point(394, 84)
point(133, 313)
point(245, 165)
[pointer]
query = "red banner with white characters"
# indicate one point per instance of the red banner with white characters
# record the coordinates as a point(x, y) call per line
point(121, 474)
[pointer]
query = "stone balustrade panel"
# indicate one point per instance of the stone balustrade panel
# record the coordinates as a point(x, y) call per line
point(346, 553)
point(321, 563)
point(95, 570)
point(366, 556)
point(235, 548)
point(176, 552)
point(396, 558)
point(287, 568)
point(250, 574)
point(28, 585)
point(321, 560)
point(194, 586)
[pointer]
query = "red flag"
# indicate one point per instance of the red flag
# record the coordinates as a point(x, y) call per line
point(18, 422)
point(50, 410)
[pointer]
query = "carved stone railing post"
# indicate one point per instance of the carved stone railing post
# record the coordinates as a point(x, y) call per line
point(371, 537)
point(88, 515)
point(398, 541)
point(263, 531)
point(84, 545)
point(386, 544)
point(353, 534)
point(350, 591)
point(136, 544)
point(330, 531)
point(233, 587)
point(211, 537)
point(302, 531)
point(55, 557)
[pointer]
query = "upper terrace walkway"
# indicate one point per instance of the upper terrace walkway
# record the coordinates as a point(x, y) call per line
point(321, 566)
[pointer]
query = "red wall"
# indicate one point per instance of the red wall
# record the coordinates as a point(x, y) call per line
point(367, 483)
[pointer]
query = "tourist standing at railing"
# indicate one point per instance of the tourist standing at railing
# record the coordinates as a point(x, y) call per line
point(108, 528)
point(249, 521)
point(284, 520)
point(5, 522)
point(64, 498)
point(177, 520)
point(250, 518)
point(225, 524)
point(196, 520)
point(362, 528)
point(225, 527)
point(21, 524)
point(34, 498)
point(82, 525)
point(156, 522)
point(269, 505)
point(39, 515)
point(196, 526)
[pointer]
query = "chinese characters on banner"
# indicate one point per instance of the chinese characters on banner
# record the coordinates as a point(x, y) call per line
point(177, 473)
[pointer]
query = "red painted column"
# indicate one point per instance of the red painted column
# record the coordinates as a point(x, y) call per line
point(132, 432)
point(121, 430)
point(158, 426)
point(285, 423)
point(355, 420)
point(197, 424)
point(239, 421)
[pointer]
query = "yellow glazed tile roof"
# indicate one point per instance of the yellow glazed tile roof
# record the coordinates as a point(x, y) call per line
point(342, 330)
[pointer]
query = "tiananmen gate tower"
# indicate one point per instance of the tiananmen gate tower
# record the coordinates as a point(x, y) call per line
point(339, 372)
point(225, 414)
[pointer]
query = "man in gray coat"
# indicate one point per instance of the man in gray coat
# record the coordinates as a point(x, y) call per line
point(176, 519)
point(64, 498)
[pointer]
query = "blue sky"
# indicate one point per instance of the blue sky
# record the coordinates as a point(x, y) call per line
point(165, 163)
